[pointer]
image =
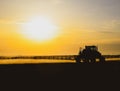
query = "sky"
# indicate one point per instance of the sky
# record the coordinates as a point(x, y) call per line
point(80, 22)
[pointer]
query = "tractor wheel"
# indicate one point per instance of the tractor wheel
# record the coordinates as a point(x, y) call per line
point(93, 60)
point(77, 59)
point(85, 60)
point(102, 59)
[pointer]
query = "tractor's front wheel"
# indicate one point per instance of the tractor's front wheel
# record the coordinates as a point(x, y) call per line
point(78, 59)
point(102, 59)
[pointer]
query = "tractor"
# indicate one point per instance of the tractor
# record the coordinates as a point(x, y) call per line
point(89, 54)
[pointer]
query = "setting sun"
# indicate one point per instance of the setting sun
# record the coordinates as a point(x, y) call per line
point(58, 27)
point(39, 29)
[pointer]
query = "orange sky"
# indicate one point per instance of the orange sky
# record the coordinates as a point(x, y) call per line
point(80, 23)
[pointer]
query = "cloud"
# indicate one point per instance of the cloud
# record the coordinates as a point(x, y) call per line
point(9, 22)
point(6, 22)
point(110, 26)
point(56, 2)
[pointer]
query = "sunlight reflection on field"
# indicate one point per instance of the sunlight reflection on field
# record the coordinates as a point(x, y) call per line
point(112, 59)
point(22, 61)
point(25, 61)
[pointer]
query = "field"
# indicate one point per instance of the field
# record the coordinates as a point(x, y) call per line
point(61, 76)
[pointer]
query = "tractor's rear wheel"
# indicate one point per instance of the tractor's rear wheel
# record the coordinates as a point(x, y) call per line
point(85, 60)
point(93, 60)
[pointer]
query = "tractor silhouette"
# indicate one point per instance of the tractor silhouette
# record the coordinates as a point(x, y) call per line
point(89, 54)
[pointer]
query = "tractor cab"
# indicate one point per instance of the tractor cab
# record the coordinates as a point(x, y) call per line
point(92, 48)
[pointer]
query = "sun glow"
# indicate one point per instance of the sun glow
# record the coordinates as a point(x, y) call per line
point(39, 29)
